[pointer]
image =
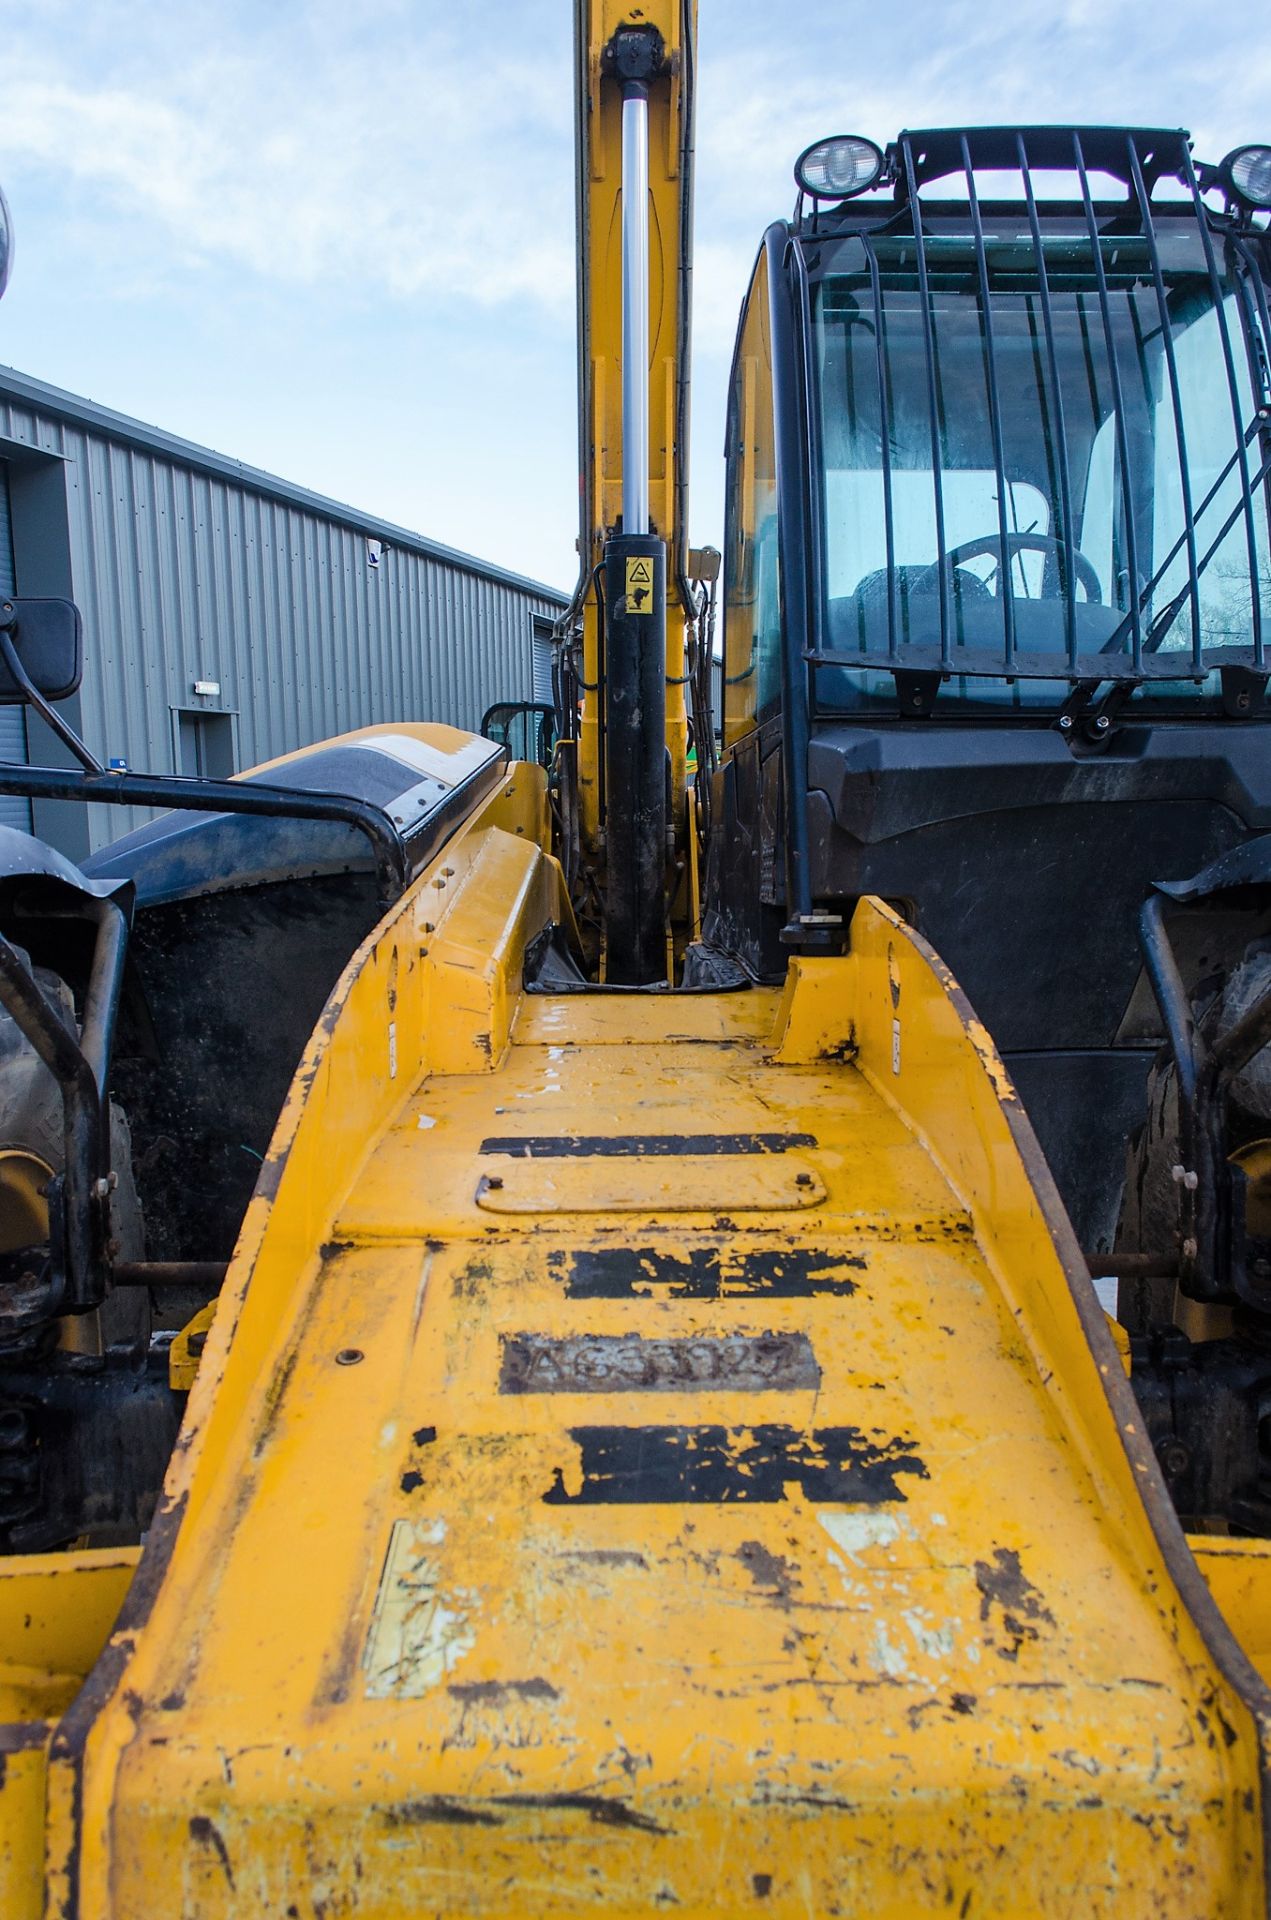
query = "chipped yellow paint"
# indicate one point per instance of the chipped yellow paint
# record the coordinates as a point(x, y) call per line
point(898, 1634)
point(419, 1630)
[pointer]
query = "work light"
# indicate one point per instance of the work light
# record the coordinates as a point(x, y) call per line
point(1248, 172)
point(839, 167)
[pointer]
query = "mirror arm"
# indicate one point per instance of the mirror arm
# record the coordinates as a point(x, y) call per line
point(66, 734)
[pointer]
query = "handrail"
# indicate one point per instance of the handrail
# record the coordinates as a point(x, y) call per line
point(221, 796)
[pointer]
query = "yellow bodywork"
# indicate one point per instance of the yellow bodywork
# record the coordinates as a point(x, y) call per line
point(186, 1350)
point(652, 1452)
point(56, 1612)
point(1239, 1576)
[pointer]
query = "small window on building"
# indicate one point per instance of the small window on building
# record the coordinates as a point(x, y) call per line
point(205, 745)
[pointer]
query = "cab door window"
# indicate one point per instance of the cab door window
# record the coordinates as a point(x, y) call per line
point(752, 584)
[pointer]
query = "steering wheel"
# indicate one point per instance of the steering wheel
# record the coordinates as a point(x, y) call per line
point(992, 543)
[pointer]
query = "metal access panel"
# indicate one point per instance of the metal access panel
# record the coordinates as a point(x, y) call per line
point(15, 811)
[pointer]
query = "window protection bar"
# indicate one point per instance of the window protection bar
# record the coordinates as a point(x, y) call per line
point(1141, 159)
point(884, 421)
point(1118, 403)
point(1114, 639)
point(933, 402)
point(1258, 335)
point(1160, 667)
point(937, 151)
point(1251, 279)
point(1006, 570)
point(1233, 390)
point(1059, 438)
point(1165, 619)
point(1176, 396)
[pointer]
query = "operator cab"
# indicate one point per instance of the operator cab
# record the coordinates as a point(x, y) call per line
point(998, 578)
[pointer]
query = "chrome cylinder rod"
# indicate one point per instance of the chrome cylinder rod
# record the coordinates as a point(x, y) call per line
point(635, 308)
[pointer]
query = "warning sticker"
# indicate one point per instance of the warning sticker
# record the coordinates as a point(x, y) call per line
point(639, 585)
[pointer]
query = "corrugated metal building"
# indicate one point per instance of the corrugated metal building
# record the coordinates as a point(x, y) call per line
point(229, 616)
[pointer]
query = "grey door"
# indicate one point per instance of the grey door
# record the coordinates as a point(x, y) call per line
point(541, 659)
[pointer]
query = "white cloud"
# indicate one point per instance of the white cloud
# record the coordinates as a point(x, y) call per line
point(385, 157)
point(381, 149)
point(392, 171)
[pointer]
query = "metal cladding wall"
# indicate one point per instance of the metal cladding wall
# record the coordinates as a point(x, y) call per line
point(188, 567)
point(14, 811)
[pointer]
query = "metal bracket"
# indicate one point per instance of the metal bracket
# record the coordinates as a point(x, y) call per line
point(1100, 727)
point(916, 692)
point(1076, 708)
point(635, 53)
point(823, 932)
point(1243, 692)
point(1087, 724)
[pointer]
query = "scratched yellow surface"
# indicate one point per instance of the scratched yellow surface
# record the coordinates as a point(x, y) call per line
point(893, 1636)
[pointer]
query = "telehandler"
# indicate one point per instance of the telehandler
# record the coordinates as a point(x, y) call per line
point(643, 1436)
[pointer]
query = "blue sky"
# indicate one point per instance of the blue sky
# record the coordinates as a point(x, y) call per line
point(337, 242)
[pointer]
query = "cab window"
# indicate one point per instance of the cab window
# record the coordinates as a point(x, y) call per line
point(752, 596)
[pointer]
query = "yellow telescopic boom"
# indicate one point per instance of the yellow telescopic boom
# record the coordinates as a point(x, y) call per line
point(634, 175)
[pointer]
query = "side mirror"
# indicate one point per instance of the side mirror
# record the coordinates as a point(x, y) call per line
point(48, 638)
point(527, 728)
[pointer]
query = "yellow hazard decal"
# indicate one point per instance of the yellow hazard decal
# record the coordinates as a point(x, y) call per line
point(639, 585)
